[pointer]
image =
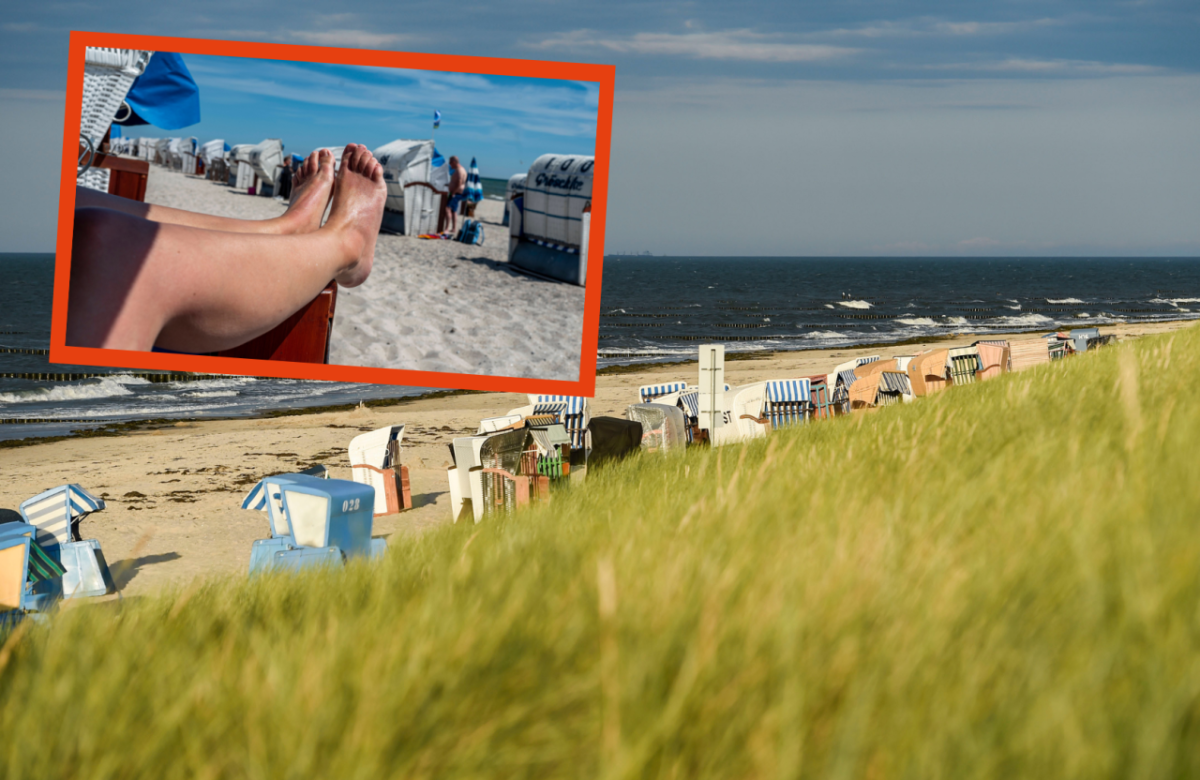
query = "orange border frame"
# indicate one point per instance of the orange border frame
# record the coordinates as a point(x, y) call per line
point(61, 353)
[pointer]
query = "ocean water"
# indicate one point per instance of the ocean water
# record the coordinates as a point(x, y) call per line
point(660, 308)
point(653, 309)
point(60, 407)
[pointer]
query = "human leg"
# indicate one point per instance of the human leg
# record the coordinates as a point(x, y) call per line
point(137, 283)
point(310, 195)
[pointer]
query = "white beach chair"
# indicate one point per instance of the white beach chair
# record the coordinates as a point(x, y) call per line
point(666, 393)
point(465, 453)
point(549, 222)
point(787, 402)
point(56, 515)
point(107, 76)
point(414, 198)
point(375, 461)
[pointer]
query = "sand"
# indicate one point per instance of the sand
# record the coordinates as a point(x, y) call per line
point(174, 492)
point(428, 305)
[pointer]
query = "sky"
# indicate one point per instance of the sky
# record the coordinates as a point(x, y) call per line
point(862, 127)
point(504, 122)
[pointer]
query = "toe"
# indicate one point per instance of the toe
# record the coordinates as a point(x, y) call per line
point(348, 156)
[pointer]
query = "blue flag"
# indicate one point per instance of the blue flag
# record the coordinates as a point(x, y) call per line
point(437, 119)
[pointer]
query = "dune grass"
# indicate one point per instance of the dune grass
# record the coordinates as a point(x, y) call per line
point(1000, 581)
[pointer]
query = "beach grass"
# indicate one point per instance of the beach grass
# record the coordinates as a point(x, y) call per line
point(999, 581)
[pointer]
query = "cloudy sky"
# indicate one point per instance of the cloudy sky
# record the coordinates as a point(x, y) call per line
point(865, 127)
point(505, 122)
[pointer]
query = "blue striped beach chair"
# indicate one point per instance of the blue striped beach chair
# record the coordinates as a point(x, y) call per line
point(56, 514)
point(571, 411)
point(654, 394)
point(788, 402)
point(862, 361)
point(893, 387)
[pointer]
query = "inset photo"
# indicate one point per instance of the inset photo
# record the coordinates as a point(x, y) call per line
point(332, 214)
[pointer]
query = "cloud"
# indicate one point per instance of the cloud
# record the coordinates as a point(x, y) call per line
point(361, 39)
point(1052, 67)
point(979, 243)
point(726, 45)
point(32, 94)
point(929, 26)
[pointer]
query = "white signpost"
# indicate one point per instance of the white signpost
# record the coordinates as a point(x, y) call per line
point(712, 389)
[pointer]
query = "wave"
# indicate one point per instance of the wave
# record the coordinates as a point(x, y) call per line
point(916, 321)
point(1063, 300)
point(212, 394)
point(1021, 321)
point(825, 334)
point(82, 391)
point(958, 321)
point(1175, 301)
point(854, 304)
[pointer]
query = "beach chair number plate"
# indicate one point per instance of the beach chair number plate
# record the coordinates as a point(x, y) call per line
point(351, 505)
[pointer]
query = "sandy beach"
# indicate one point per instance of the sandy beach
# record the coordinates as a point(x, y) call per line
point(174, 491)
point(428, 305)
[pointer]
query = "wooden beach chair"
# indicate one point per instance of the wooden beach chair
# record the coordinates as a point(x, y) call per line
point(570, 411)
point(820, 398)
point(15, 542)
point(375, 461)
point(56, 515)
point(927, 372)
point(465, 457)
point(994, 357)
point(1027, 353)
point(305, 337)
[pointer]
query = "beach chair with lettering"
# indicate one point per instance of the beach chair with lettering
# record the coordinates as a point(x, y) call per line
point(1082, 339)
point(1027, 353)
point(330, 521)
point(927, 372)
point(964, 365)
point(788, 402)
point(56, 515)
point(108, 75)
point(375, 461)
point(745, 412)
point(266, 497)
point(549, 222)
point(994, 358)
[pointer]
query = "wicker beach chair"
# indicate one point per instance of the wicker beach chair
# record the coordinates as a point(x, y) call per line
point(570, 410)
point(375, 461)
point(964, 365)
point(107, 76)
point(663, 427)
point(56, 514)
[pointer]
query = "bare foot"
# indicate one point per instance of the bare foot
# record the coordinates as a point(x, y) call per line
point(357, 211)
point(312, 187)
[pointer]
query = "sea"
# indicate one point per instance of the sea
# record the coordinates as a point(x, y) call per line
point(653, 309)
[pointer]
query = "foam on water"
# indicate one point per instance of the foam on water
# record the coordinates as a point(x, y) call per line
point(855, 304)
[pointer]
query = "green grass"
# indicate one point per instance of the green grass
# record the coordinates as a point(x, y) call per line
point(1000, 581)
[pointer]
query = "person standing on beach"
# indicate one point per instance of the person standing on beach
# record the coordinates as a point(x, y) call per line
point(145, 276)
point(458, 187)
